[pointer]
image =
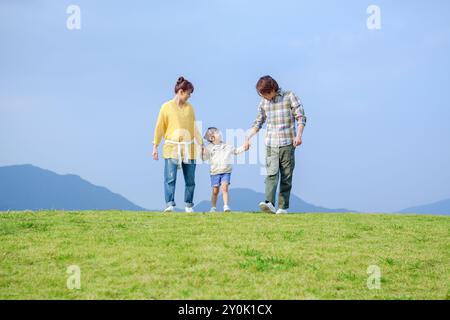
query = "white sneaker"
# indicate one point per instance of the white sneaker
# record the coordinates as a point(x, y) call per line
point(189, 209)
point(267, 207)
point(226, 209)
point(282, 211)
point(169, 209)
point(213, 209)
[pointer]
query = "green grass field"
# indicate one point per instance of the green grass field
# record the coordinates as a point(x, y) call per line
point(142, 255)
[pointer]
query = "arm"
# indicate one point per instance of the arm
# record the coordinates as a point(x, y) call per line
point(160, 130)
point(257, 125)
point(298, 137)
point(198, 136)
point(251, 133)
point(240, 150)
point(299, 114)
point(206, 154)
point(300, 129)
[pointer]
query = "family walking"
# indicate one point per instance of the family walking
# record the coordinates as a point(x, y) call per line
point(284, 115)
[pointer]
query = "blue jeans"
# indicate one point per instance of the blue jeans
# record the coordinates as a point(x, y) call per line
point(170, 179)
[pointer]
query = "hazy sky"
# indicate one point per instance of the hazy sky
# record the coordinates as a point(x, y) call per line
point(377, 101)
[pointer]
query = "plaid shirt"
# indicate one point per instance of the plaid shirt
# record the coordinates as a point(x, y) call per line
point(280, 114)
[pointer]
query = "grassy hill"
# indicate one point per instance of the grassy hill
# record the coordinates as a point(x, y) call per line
point(142, 255)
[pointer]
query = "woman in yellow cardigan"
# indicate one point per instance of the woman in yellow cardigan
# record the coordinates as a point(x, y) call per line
point(176, 124)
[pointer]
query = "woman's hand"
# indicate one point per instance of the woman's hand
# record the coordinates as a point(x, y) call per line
point(203, 153)
point(155, 153)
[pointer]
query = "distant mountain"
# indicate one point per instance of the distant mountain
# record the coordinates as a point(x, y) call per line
point(25, 187)
point(247, 200)
point(436, 208)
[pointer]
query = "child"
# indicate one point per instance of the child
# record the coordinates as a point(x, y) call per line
point(219, 155)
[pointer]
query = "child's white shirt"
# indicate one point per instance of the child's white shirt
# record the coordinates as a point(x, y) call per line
point(220, 157)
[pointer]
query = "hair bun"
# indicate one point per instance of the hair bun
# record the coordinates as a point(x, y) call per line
point(180, 80)
point(183, 84)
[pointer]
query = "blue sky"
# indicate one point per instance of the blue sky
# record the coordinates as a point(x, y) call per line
point(377, 101)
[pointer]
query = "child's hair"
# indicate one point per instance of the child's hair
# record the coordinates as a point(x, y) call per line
point(266, 85)
point(209, 133)
point(184, 85)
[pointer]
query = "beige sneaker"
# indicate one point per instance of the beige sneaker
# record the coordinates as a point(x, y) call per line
point(169, 209)
point(267, 207)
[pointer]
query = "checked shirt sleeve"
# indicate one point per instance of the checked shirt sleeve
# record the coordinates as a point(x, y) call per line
point(260, 117)
point(297, 109)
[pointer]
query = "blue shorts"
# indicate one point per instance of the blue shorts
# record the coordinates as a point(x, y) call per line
point(218, 179)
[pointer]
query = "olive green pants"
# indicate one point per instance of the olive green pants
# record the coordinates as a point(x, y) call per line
point(280, 163)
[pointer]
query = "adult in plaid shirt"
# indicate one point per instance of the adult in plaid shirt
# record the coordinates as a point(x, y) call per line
point(280, 110)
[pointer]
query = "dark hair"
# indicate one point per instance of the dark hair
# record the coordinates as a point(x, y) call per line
point(266, 85)
point(184, 85)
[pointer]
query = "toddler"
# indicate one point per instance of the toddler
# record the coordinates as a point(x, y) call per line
point(219, 156)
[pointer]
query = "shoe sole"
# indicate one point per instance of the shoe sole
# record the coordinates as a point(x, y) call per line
point(266, 209)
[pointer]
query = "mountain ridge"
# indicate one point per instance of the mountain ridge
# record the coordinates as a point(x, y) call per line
point(441, 207)
point(30, 187)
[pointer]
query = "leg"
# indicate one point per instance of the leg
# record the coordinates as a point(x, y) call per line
point(287, 164)
point(189, 179)
point(225, 195)
point(170, 179)
point(272, 166)
point(271, 187)
point(214, 196)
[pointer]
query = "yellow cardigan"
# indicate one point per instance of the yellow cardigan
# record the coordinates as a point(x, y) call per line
point(176, 124)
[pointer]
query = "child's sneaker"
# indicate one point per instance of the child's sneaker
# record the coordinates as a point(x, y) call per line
point(267, 207)
point(226, 208)
point(213, 209)
point(169, 209)
point(189, 209)
point(282, 211)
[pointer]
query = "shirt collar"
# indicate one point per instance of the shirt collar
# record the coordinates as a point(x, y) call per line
point(280, 93)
